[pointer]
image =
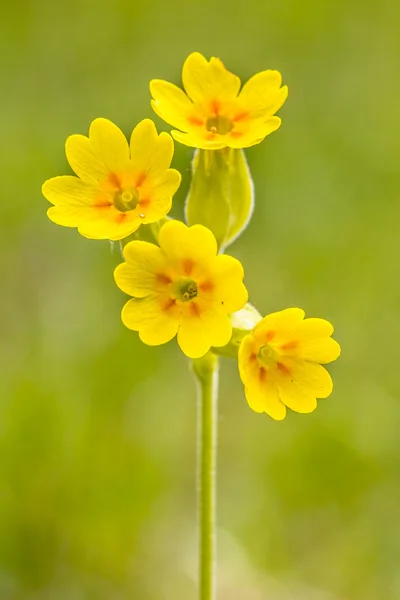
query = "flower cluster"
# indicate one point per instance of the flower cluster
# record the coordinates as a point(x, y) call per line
point(181, 285)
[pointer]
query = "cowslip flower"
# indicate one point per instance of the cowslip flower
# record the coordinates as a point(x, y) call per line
point(280, 363)
point(118, 187)
point(181, 288)
point(214, 113)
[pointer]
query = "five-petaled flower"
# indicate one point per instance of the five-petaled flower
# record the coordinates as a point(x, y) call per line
point(280, 363)
point(117, 187)
point(212, 113)
point(182, 287)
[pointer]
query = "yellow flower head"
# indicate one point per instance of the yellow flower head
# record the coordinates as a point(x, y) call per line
point(182, 287)
point(117, 187)
point(280, 363)
point(212, 113)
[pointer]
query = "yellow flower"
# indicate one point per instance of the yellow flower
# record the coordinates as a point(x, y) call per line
point(117, 187)
point(182, 287)
point(213, 114)
point(280, 363)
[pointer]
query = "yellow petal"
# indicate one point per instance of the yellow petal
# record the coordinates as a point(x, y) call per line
point(151, 154)
point(155, 210)
point(171, 103)
point(109, 144)
point(83, 160)
point(262, 95)
point(72, 198)
point(311, 377)
point(164, 187)
point(295, 396)
point(181, 242)
point(69, 190)
point(202, 328)
point(138, 276)
point(322, 350)
point(279, 100)
point(280, 323)
point(197, 140)
point(313, 342)
point(219, 326)
point(108, 225)
point(156, 196)
point(159, 331)
point(155, 325)
point(249, 367)
point(256, 132)
point(265, 399)
point(193, 339)
point(228, 274)
point(205, 80)
point(65, 217)
point(313, 328)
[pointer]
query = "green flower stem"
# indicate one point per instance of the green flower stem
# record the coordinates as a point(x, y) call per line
point(206, 370)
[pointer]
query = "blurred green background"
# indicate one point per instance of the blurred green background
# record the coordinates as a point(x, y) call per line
point(97, 431)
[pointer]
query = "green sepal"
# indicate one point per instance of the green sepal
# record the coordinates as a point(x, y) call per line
point(221, 195)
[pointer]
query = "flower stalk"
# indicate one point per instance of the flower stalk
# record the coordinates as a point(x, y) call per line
point(206, 370)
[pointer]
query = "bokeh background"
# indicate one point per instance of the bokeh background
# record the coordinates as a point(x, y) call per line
point(97, 431)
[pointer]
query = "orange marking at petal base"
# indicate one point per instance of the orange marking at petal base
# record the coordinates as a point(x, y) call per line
point(262, 373)
point(236, 134)
point(121, 217)
point(169, 303)
point(102, 204)
point(162, 278)
point(252, 357)
point(144, 203)
point(283, 368)
point(194, 309)
point(240, 116)
point(215, 106)
point(206, 286)
point(290, 345)
point(270, 335)
point(196, 121)
point(141, 179)
point(114, 179)
point(188, 265)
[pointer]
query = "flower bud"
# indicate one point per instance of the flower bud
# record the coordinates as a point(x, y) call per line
point(221, 193)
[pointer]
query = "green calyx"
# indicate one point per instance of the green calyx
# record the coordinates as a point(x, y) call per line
point(221, 191)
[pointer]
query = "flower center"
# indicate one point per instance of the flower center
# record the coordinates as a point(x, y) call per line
point(219, 124)
point(126, 200)
point(185, 289)
point(266, 356)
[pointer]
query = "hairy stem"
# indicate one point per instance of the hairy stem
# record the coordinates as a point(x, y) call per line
point(206, 370)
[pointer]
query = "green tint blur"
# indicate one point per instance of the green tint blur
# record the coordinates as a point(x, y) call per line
point(97, 431)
